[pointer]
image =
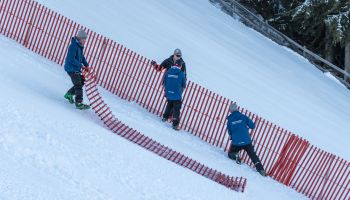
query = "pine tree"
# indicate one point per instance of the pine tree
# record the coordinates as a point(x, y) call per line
point(322, 26)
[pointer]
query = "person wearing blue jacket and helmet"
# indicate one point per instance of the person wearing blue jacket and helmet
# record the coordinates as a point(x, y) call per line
point(174, 83)
point(74, 63)
point(238, 126)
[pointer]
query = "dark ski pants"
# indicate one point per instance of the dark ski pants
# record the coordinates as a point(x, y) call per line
point(174, 107)
point(78, 83)
point(250, 151)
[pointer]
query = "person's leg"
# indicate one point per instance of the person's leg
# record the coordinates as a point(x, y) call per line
point(71, 92)
point(233, 153)
point(78, 83)
point(176, 113)
point(168, 108)
point(255, 159)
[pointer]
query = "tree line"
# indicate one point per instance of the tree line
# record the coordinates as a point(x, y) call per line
point(323, 26)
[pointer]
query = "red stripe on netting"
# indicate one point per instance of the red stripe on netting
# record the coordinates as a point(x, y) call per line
point(134, 84)
point(7, 19)
point(338, 173)
point(99, 59)
point(48, 45)
point(155, 93)
point(143, 92)
point(187, 99)
point(45, 37)
point(64, 42)
point(224, 128)
point(139, 79)
point(200, 115)
point(123, 81)
point(33, 14)
point(132, 78)
point(196, 110)
point(214, 119)
point(310, 163)
point(122, 73)
point(160, 95)
point(157, 148)
point(216, 124)
point(119, 70)
point(104, 63)
point(209, 118)
point(321, 186)
point(15, 9)
point(150, 90)
point(58, 41)
point(115, 67)
point(21, 22)
point(319, 165)
point(111, 67)
point(3, 9)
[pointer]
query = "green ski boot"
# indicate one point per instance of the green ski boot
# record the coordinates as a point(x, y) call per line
point(82, 106)
point(69, 97)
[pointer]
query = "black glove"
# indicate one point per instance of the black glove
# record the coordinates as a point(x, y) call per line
point(153, 63)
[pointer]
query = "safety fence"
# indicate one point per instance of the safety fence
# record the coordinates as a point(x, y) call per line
point(104, 112)
point(286, 157)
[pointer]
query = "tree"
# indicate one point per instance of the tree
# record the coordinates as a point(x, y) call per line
point(320, 25)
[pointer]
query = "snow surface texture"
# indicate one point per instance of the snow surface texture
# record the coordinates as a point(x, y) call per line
point(225, 56)
point(50, 150)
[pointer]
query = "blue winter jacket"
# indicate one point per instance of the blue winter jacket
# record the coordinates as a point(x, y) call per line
point(238, 126)
point(75, 59)
point(174, 83)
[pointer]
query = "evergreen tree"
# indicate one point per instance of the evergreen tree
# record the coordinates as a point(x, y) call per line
point(323, 26)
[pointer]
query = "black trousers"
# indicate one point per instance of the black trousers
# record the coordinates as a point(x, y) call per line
point(174, 107)
point(78, 83)
point(250, 151)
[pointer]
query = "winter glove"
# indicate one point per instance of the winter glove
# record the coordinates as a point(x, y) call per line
point(86, 69)
point(153, 63)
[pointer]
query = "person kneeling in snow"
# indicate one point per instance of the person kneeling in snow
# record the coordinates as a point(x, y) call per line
point(237, 126)
point(174, 84)
point(73, 65)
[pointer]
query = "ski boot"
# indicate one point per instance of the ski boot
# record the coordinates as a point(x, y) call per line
point(235, 157)
point(82, 106)
point(69, 97)
point(262, 172)
point(176, 128)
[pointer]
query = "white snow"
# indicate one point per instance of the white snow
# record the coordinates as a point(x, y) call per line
point(50, 150)
point(227, 57)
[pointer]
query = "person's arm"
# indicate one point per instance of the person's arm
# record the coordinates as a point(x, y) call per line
point(164, 64)
point(229, 130)
point(184, 69)
point(250, 123)
point(85, 63)
point(183, 84)
point(72, 50)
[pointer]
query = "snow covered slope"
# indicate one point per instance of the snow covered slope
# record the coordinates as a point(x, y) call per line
point(50, 150)
point(229, 58)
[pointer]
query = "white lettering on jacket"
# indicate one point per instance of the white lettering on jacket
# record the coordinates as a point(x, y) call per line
point(173, 76)
point(236, 122)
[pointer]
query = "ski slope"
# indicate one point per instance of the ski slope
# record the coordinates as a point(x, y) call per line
point(50, 150)
point(227, 57)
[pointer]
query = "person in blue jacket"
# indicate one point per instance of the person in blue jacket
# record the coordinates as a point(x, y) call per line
point(238, 126)
point(74, 63)
point(174, 83)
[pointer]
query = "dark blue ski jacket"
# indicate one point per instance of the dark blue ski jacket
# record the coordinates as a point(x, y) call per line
point(174, 83)
point(238, 126)
point(75, 59)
